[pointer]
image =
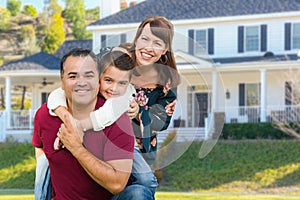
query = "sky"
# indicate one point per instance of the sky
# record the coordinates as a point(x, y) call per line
point(40, 3)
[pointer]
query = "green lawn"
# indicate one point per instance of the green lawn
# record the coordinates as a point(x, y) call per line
point(183, 196)
point(235, 167)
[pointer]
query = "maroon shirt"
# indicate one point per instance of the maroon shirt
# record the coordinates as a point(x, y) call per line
point(69, 179)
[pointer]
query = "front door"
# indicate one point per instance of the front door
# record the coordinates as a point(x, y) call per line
point(201, 111)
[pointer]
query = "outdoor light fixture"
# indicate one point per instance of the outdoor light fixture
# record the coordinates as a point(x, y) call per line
point(227, 94)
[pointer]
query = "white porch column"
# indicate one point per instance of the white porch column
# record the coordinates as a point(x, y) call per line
point(8, 100)
point(263, 97)
point(215, 91)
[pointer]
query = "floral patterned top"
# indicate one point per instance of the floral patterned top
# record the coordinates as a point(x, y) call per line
point(153, 118)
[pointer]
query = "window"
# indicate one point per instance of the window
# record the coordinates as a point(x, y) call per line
point(112, 40)
point(252, 38)
point(198, 105)
point(201, 40)
point(252, 94)
point(296, 36)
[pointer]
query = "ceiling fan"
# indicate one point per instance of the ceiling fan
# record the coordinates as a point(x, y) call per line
point(45, 82)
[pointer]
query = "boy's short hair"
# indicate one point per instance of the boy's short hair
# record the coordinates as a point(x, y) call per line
point(118, 59)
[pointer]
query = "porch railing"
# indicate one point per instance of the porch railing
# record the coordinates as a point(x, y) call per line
point(251, 114)
point(17, 119)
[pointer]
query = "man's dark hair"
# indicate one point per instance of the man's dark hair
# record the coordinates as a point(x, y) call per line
point(78, 52)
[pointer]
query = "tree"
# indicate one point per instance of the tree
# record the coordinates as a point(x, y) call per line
point(28, 38)
point(53, 31)
point(287, 120)
point(75, 12)
point(14, 6)
point(5, 19)
point(30, 10)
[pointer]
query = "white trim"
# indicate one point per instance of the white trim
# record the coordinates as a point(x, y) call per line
point(199, 21)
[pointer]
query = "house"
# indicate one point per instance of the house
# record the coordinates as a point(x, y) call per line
point(238, 59)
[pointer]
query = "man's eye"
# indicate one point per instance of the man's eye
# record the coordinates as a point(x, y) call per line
point(123, 83)
point(89, 76)
point(72, 77)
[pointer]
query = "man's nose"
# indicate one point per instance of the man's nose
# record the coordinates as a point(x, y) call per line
point(81, 80)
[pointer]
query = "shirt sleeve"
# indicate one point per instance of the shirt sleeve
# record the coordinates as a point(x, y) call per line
point(160, 120)
point(120, 140)
point(56, 98)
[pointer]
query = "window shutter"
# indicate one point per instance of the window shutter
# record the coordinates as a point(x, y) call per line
point(191, 41)
point(241, 94)
point(211, 41)
point(103, 41)
point(287, 36)
point(123, 38)
point(240, 39)
point(263, 39)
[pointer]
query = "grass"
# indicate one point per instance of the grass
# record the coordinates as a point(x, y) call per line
point(182, 196)
point(238, 167)
point(256, 169)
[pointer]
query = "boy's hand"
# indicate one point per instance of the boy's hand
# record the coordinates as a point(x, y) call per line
point(58, 144)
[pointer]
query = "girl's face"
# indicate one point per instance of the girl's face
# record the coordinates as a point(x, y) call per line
point(114, 82)
point(149, 48)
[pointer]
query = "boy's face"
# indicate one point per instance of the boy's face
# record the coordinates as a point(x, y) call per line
point(114, 82)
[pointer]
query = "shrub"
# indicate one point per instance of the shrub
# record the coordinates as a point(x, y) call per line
point(238, 131)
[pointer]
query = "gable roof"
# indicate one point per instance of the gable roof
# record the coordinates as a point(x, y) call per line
point(197, 9)
point(39, 61)
point(70, 44)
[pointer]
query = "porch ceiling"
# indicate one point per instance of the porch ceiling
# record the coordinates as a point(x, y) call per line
point(29, 77)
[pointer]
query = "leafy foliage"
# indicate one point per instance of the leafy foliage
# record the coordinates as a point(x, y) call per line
point(5, 19)
point(30, 10)
point(238, 131)
point(14, 6)
point(53, 31)
point(75, 12)
point(92, 14)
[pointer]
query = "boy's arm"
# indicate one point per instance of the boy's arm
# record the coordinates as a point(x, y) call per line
point(38, 152)
point(112, 110)
point(56, 100)
point(99, 119)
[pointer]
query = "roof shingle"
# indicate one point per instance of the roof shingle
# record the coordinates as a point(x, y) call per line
point(198, 9)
